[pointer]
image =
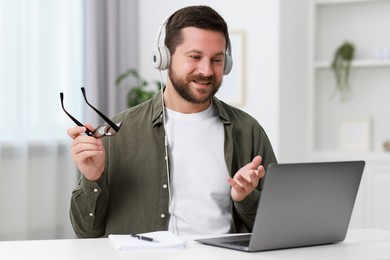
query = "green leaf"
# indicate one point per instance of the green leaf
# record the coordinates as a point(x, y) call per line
point(137, 94)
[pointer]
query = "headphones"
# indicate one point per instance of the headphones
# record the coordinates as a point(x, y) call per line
point(162, 56)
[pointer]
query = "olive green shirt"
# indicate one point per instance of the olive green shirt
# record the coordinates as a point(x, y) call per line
point(132, 194)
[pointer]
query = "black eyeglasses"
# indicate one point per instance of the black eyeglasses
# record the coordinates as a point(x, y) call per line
point(109, 129)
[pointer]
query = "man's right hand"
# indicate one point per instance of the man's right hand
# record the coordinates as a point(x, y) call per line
point(87, 152)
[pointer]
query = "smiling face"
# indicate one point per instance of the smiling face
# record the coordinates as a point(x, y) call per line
point(196, 70)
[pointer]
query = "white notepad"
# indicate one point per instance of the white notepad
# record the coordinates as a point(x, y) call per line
point(165, 239)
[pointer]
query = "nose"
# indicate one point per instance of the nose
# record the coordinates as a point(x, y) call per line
point(205, 68)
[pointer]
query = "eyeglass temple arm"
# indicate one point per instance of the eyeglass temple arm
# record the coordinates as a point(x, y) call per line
point(112, 124)
point(88, 132)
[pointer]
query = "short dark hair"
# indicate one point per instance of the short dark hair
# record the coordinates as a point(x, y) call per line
point(201, 16)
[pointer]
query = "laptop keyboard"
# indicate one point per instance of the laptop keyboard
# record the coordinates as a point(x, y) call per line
point(244, 243)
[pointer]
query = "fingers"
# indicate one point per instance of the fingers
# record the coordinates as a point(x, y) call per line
point(75, 131)
point(246, 179)
point(235, 185)
point(84, 147)
point(260, 171)
point(240, 189)
point(255, 163)
point(250, 180)
point(252, 172)
point(87, 152)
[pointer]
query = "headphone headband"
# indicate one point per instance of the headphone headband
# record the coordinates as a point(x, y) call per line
point(162, 55)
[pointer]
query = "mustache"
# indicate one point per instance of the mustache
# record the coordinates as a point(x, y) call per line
point(211, 78)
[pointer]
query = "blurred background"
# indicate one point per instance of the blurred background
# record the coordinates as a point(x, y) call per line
point(282, 52)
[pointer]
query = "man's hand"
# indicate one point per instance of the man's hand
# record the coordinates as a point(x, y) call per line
point(87, 152)
point(246, 179)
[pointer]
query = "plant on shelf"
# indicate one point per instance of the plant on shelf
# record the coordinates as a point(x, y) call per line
point(341, 67)
point(139, 92)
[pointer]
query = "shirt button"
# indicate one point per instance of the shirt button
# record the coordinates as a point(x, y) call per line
point(95, 190)
point(162, 215)
point(165, 186)
point(91, 214)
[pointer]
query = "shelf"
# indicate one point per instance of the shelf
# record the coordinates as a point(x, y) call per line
point(364, 23)
point(332, 2)
point(355, 64)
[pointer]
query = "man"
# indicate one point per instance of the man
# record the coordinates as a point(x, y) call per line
point(182, 161)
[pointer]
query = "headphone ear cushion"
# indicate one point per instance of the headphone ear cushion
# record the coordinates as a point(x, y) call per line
point(161, 58)
point(228, 64)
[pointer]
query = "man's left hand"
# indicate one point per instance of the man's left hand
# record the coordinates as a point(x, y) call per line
point(246, 179)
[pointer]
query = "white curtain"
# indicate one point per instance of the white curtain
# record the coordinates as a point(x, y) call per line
point(48, 47)
point(41, 55)
point(111, 47)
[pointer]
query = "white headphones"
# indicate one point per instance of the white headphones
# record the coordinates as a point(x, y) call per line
point(162, 56)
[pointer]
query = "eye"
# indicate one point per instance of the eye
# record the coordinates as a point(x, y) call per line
point(195, 57)
point(217, 60)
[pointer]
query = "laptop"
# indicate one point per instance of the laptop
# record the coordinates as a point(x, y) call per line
point(301, 204)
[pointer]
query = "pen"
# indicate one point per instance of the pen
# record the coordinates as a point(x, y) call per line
point(144, 238)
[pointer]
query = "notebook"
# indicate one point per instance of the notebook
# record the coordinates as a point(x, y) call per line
point(161, 239)
point(301, 204)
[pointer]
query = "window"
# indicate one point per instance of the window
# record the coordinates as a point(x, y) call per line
point(41, 55)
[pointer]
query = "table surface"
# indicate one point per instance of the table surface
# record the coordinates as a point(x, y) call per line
point(359, 244)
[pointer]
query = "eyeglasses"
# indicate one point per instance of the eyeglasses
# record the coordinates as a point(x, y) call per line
point(109, 129)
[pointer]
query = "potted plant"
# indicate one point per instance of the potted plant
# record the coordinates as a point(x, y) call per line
point(341, 67)
point(139, 92)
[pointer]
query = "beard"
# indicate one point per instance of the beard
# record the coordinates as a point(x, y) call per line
point(192, 94)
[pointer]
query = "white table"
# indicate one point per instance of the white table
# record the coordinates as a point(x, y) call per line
point(359, 244)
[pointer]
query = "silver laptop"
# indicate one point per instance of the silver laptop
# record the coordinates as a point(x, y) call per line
point(302, 204)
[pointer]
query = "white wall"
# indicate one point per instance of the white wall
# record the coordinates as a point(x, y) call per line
point(293, 109)
point(260, 22)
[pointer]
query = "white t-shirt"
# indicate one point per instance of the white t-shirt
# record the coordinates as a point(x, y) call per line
point(201, 202)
